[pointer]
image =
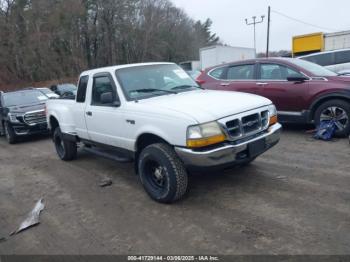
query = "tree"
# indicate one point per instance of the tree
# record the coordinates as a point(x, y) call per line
point(53, 39)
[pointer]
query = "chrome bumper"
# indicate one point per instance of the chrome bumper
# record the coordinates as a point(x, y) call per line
point(227, 154)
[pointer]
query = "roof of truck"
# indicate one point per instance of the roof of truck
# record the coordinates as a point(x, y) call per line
point(113, 68)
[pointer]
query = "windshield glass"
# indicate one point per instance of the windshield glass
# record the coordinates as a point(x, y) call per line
point(67, 88)
point(315, 69)
point(24, 98)
point(154, 80)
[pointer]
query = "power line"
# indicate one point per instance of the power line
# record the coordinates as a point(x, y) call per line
point(305, 23)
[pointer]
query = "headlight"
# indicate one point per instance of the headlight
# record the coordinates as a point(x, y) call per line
point(204, 135)
point(273, 115)
point(13, 118)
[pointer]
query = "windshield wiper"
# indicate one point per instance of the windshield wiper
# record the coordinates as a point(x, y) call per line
point(344, 74)
point(185, 87)
point(151, 90)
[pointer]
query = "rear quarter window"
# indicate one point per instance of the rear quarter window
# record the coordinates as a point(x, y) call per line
point(217, 73)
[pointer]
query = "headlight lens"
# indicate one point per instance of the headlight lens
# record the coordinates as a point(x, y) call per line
point(273, 115)
point(204, 135)
point(13, 118)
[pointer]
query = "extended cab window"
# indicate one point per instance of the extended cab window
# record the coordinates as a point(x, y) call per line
point(240, 72)
point(81, 95)
point(101, 85)
point(277, 72)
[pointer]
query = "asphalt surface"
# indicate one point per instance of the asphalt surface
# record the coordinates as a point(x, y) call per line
point(295, 199)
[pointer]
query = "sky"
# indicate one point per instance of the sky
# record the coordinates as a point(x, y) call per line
point(229, 16)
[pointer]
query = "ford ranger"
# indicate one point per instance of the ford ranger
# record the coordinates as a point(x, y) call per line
point(157, 116)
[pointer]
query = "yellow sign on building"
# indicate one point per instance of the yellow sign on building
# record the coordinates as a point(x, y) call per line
point(304, 44)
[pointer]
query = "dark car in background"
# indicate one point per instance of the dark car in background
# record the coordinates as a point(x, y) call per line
point(65, 90)
point(302, 91)
point(22, 113)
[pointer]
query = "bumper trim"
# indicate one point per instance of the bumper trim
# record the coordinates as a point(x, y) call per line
point(228, 153)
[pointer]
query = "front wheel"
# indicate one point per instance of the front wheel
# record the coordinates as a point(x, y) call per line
point(66, 150)
point(162, 173)
point(9, 133)
point(337, 111)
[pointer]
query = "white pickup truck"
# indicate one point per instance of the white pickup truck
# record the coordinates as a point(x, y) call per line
point(156, 115)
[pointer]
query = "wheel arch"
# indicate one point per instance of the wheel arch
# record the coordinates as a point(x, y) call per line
point(319, 101)
point(144, 140)
point(53, 123)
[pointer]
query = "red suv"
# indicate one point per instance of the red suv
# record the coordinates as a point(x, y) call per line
point(302, 91)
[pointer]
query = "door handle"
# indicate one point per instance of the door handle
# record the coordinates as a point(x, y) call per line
point(225, 84)
point(261, 84)
point(89, 113)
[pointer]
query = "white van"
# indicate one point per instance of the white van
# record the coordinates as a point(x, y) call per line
point(337, 60)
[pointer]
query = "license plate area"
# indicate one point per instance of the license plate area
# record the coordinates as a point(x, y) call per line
point(256, 148)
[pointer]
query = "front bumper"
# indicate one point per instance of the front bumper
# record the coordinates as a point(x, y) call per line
point(228, 154)
point(25, 130)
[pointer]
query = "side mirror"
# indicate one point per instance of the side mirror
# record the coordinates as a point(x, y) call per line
point(106, 98)
point(297, 79)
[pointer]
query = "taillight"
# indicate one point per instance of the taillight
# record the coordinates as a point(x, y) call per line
point(200, 79)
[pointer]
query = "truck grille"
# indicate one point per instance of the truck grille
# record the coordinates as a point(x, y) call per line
point(248, 125)
point(35, 117)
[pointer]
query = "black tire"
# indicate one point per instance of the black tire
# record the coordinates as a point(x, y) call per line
point(336, 103)
point(9, 133)
point(66, 150)
point(162, 173)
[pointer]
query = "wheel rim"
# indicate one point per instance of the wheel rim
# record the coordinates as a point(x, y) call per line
point(59, 146)
point(155, 175)
point(336, 114)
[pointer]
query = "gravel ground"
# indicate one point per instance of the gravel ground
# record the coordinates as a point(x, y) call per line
point(292, 200)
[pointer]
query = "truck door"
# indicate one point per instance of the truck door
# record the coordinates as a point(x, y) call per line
point(104, 118)
point(79, 110)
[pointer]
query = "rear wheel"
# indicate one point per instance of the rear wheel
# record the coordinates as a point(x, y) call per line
point(9, 133)
point(66, 150)
point(337, 111)
point(162, 173)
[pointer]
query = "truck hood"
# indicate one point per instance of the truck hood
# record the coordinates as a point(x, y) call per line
point(26, 108)
point(207, 105)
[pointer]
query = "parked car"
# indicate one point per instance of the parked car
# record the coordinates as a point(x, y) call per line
point(156, 115)
point(22, 113)
point(49, 93)
point(302, 91)
point(336, 60)
point(65, 90)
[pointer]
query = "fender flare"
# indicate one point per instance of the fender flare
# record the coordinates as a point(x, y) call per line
point(319, 100)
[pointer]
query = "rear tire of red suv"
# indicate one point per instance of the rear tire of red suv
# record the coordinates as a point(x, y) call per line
point(337, 110)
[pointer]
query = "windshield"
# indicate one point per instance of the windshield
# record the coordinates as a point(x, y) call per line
point(315, 69)
point(24, 98)
point(154, 80)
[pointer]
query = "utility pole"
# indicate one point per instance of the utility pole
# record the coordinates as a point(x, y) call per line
point(254, 23)
point(268, 31)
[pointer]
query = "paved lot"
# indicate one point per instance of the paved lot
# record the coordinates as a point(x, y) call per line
point(295, 199)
